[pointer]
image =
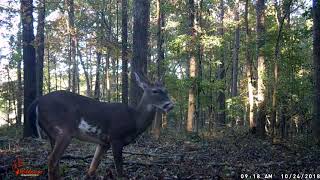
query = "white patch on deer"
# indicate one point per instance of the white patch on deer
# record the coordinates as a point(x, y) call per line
point(59, 130)
point(87, 128)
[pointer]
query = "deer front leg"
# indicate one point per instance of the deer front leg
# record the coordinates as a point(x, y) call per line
point(60, 145)
point(117, 156)
point(100, 149)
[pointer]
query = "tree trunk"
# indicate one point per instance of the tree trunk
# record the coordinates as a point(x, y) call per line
point(235, 57)
point(316, 61)
point(157, 124)
point(221, 115)
point(19, 80)
point(72, 46)
point(141, 16)
point(192, 69)
point(97, 83)
point(124, 38)
point(261, 113)
point(280, 23)
point(48, 68)
point(40, 46)
point(252, 120)
point(85, 70)
point(29, 64)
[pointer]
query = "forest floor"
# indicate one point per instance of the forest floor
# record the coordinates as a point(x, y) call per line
point(224, 155)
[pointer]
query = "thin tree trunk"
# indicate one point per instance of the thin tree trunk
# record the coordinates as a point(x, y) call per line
point(85, 70)
point(124, 38)
point(107, 77)
point(19, 80)
point(48, 67)
point(97, 83)
point(29, 64)
point(40, 46)
point(280, 23)
point(192, 69)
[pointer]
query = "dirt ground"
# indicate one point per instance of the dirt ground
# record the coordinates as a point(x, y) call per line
point(235, 156)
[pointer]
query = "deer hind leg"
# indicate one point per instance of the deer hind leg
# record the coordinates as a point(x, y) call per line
point(100, 150)
point(61, 143)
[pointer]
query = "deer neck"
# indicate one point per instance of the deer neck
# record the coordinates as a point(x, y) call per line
point(146, 113)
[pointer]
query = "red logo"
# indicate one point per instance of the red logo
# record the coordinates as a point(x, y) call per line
point(17, 165)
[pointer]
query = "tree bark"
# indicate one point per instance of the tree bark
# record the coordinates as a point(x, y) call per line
point(316, 61)
point(141, 16)
point(235, 57)
point(72, 34)
point(261, 113)
point(252, 120)
point(192, 69)
point(280, 23)
point(97, 83)
point(40, 46)
point(124, 37)
point(29, 64)
point(85, 70)
point(157, 124)
point(221, 115)
point(19, 79)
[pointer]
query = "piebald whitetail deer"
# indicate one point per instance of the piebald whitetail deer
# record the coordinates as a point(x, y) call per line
point(64, 115)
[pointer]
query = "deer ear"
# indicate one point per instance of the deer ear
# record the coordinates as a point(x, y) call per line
point(141, 84)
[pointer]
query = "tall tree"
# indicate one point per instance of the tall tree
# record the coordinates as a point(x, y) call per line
point(40, 46)
point(261, 113)
point(19, 78)
point(29, 64)
point(72, 54)
point(160, 64)
point(192, 69)
point(249, 74)
point(124, 37)
point(221, 114)
point(97, 83)
point(235, 56)
point(141, 14)
point(316, 61)
point(281, 14)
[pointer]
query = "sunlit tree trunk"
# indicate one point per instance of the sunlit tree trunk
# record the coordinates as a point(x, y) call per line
point(192, 69)
point(316, 62)
point(141, 16)
point(29, 64)
point(221, 115)
point(252, 120)
point(261, 112)
point(40, 46)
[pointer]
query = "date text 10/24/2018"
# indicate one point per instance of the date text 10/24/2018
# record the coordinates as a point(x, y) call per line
point(282, 176)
